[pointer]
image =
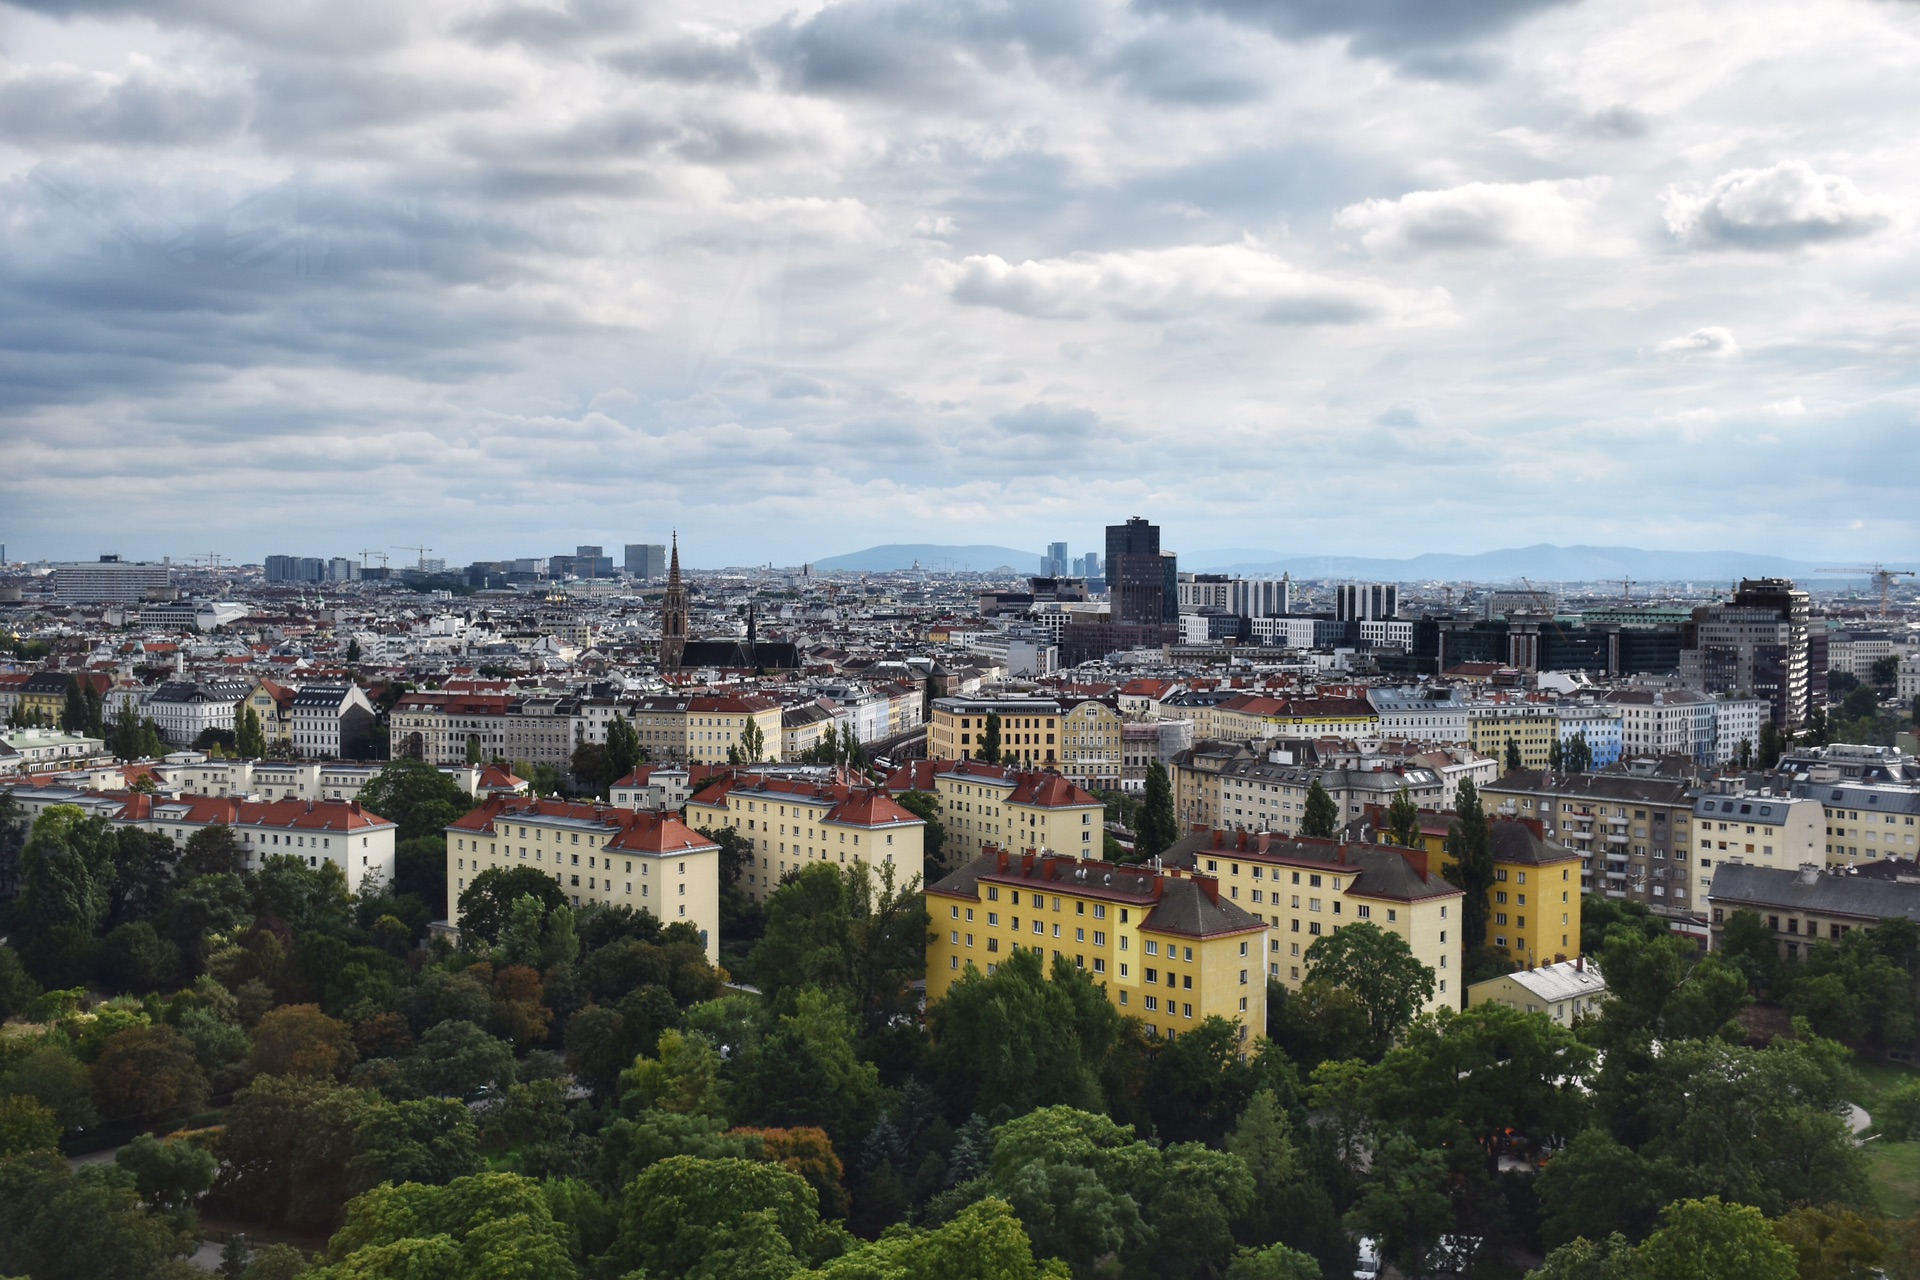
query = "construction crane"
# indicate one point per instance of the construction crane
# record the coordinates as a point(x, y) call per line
point(420, 551)
point(366, 554)
point(213, 559)
point(1882, 579)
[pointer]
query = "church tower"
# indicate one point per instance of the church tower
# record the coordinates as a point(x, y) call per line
point(673, 615)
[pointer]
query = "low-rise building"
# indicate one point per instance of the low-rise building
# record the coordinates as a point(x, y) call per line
point(651, 862)
point(40, 750)
point(700, 728)
point(1305, 889)
point(1564, 991)
point(356, 840)
point(1866, 822)
point(653, 786)
point(1164, 945)
point(1803, 905)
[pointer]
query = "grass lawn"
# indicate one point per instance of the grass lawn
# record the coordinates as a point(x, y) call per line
point(1877, 1077)
point(1894, 1170)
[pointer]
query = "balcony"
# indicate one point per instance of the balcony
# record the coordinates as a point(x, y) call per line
point(1616, 893)
point(1616, 837)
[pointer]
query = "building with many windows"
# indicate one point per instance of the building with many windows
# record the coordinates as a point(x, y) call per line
point(331, 721)
point(1164, 945)
point(1804, 905)
point(987, 806)
point(652, 862)
point(1029, 729)
point(1633, 832)
point(1305, 889)
point(793, 823)
point(111, 578)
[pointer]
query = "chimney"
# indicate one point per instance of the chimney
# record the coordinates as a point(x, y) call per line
point(1219, 837)
point(1580, 965)
point(1210, 885)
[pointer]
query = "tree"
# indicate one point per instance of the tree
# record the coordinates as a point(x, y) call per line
point(148, 1072)
point(55, 1225)
point(1200, 1083)
point(1403, 1205)
point(427, 1140)
point(170, 1176)
point(416, 797)
point(707, 1219)
point(683, 1079)
point(51, 1076)
point(1403, 820)
point(488, 1225)
point(1019, 1039)
point(1711, 1240)
point(353, 651)
point(299, 1040)
point(211, 851)
point(1379, 969)
point(249, 739)
point(1469, 863)
point(753, 743)
point(486, 904)
point(68, 867)
point(623, 747)
point(1321, 819)
point(134, 957)
point(990, 739)
point(1579, 754)
point(17, 987)
point(851, 930)
point(25, 1126)
point(985, 1241)
point(1832, 1243)
point(1158, 827)
point(289, 1148)
point(1275, 1262)
point(928, 808)
point(1556, 755)
point(807, 1070)
point(1886, 671)
point(1773, 744)
point(455, 1059)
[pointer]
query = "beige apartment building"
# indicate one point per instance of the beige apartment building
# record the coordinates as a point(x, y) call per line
point(794, 823)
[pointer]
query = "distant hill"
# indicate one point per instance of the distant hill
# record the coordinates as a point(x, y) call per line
point(1541, 563)
point(902, 555)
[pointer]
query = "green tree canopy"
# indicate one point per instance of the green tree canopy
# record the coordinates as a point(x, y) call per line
point(1017, 1038)
point(1321, 818)
point(486, 904)
point(1469, 863)
point(847, 929)
point(1159, 827)
point(416, 797)
point(718, 1219)
point(1379, 969)
point(1403, 820)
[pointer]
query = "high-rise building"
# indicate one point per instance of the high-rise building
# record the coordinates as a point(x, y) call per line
point(110, 578)
point(1366, 602)
point(1757, 643)
point(1262, 597)
point(1143, 582)
point(1088, 566)
point(646, 560)
point(592, 562)
point(1054, 563)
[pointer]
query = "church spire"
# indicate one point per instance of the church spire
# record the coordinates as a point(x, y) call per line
point(673, 614)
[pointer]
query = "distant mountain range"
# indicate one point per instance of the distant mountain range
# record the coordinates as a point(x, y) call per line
point(1541, 563)
point(896, 556)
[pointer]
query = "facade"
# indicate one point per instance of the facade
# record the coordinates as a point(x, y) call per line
point(110, 578)
point(1246, 717)
point(1091, 741)
point(1144, 741)
point(1565, 991)
point(1164, 945)
point(794, 823)
point(1029, 729)
point(700, 728)
point(342, 780)
point(272, 703)
point(1143, 582)
point(1866, 823)
point(438, 726)
point(664, 787)
point(646, 560)
point(1634, 832)
point(1366, 602)
point(1763, 830)
point(1757, 644)
point(1601, 726)
point(39, 750)
point(1305, 889)
point(986, 806)
point(1533, 727)
point(1225, 786)
point(185, 709)
point(357, 841)
point(1803, 905)
point(673, 614)
point(330, 721)
point(1533, 908)
point(651, 862)
point(1423, 714)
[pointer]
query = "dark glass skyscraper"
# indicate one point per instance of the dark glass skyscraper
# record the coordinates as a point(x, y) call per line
point(1142, 581)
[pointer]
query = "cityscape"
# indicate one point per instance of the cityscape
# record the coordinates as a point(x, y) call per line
point(959, 640)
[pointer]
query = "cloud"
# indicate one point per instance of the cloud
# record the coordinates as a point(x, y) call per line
point(63, 104)
point(1408, 30)
point(1787, 206)
point(1241, 281)
point(1711, 343)
point(1547, 216)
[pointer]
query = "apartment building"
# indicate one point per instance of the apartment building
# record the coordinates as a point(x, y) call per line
point(700, 728)
point(1532, 727)
point(1804, 905)
point(652, 862)
point(986, 806)
point(39, 750)
point(793, 823)
point(330, 721)
point(1765, 830)
point(1565, 991)
point(1305, 889)
point(1865, 823)
point(1634, 832)
point(185, 709)
point(357, 841)
point(1029, 729)
point(1092, 739)
point(1533, 908)
point(1163, 944)
point(1236, 788)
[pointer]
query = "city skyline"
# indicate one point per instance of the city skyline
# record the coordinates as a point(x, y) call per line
point(1375, 280)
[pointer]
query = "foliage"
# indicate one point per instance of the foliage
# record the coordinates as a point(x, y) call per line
point(416, 797)
point(488, 1225)
point(299, 1040)
point(847, 930)
point(25, 1126)
point(1321, 818)
point(1710, 1240)
point(1469, 863)
point(720, 1219)
point(928, 808)
point(989, 748)
point(1403, 820)
point(170, 1176)
point(1018, 1039)
point(486, 904)
point(1380, 971)
point(148, 1073)
point(1158, 827)
point(56, 1225)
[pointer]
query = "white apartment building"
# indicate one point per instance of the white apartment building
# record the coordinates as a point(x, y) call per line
point(185, 709)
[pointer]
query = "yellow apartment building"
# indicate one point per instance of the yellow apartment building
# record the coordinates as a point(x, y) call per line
point(652, 862)
point(1090, 745)
point(1533, 909)
point(797, 822)
point(991, 806)
point(1306, 889)
point(690, 728)
point(1163, 944)
point(1029, 729)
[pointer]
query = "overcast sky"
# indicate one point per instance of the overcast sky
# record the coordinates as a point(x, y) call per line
point(1364, 276)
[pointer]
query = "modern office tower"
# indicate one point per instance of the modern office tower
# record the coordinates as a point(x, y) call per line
point(646, 560)
point(1262, 597)
point(1756, 644)
point(1054, 563)
point(592, 562)
point(1366, 602)
point(1143, 583)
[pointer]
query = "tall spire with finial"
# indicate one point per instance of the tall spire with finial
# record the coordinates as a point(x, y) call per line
point(673, 614)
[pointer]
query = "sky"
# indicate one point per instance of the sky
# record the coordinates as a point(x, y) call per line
point(1371, 277)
